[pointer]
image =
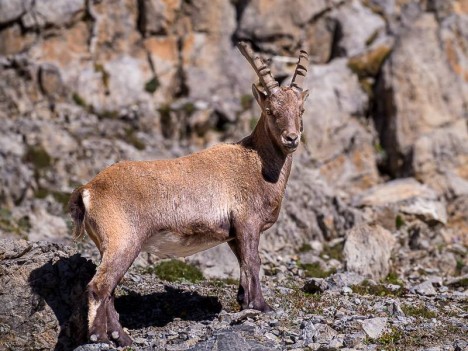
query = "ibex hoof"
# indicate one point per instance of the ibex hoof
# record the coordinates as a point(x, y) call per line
point(93, 338)
point(115, 335)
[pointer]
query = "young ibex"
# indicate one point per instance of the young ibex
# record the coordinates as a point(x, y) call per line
point(227, 193)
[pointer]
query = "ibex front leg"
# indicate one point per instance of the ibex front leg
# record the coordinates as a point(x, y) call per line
point(245, 247)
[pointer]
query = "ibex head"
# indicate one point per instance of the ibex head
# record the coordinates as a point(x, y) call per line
point(282, 107)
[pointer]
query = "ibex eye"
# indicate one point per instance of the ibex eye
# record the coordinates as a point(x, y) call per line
point(268, 111)
point(302, 111)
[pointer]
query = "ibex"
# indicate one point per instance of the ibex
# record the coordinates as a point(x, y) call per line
point(175, 208)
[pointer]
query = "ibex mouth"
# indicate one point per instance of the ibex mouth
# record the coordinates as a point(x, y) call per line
point(290, 141)
point(291, 146)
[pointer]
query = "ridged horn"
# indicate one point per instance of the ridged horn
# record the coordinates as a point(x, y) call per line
point(262, 70)
point(301, 71)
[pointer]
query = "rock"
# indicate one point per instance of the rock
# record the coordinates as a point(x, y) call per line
point(55, 13)
point(51, 80)
point(12, 43)
point(317, 333)
point(310, 211)
point(368, 64)
point(457, 281)
point(374, 327)
point(46, 226)
point(93, 347)
point(320, 39)
point(244, 314)
point(324, 334)
point(440, 159)
point(12, 10)
point(395, 309)
point(413, 103)
point(426, 289)
point(211, 64)
point(315, 285)
point(259, 21)
point(458, 221)
point(354, 340)
point(338, 281)
point(347, 290)
point(156, 16)
point(230, 341)
point(41, 287)
point(367, 251)
point(401, 197)
point(358, 27)
point(218, 262)
point(335, 140)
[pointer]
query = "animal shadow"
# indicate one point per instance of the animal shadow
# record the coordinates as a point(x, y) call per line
point(62, 286)
point(160, 308)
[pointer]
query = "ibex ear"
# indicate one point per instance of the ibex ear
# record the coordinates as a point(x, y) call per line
point(305, 95)
point(259, 95)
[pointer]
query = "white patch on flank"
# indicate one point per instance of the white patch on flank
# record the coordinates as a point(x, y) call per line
point(86, 196)
point(92, 310)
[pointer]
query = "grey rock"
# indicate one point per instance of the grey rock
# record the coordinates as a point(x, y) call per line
point(374, 327)
point(354, 340)
point(340, 146)
point(324, 334)
point(440, 157)
point(460, 345)
point(50, 80)
point(414, 103)
point(456, 280)
point(338, 281)
point(401, 197)
point(358, 25)
point(310, 211)
point(395, 309)
point(156, 16)
point(367, 251)
point(45, 298)
point(58, 13)
point(243, 315)
point(93, 347)
point(317, 333)
point(261, 22)
point(12, 10)
point(426, 289)
point(347, 290)
point(230, 341)
point(218, 262)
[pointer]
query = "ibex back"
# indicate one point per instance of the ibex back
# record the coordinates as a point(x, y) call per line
point(228, 193)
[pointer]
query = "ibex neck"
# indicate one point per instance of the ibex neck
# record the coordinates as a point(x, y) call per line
point(275, 164)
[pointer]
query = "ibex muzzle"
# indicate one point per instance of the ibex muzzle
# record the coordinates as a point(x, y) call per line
point(228, 193)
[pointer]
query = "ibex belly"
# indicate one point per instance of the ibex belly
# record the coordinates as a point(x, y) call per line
point(167, 244)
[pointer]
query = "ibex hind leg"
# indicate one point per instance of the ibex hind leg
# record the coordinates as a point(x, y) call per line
point(114, 329)
point(103, 320)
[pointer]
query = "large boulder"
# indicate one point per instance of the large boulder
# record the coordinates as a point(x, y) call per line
point(41, 295)
point(311, 210)
point(337, 140)
point(367, 251)
point(418, 91)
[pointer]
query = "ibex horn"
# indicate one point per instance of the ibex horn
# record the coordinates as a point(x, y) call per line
point(301, 71)
point(262, 70)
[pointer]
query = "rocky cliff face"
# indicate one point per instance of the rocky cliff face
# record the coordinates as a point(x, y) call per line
point(86, 83)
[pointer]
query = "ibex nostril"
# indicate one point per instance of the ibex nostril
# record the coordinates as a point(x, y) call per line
point(292, 137)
